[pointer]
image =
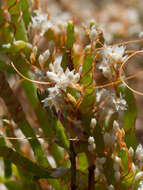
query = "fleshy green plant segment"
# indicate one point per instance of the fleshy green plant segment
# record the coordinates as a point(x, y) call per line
point(76, 142)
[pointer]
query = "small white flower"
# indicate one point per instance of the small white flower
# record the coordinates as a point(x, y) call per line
point(120, 103)
point(93, 122)
point(111, 187)
point(76, 77)
point(117, 160)
point(105, 68)
point(91, 140)
point(62, 80)
point(91, 147)
point(115, 53)
point(40, 22)
point(44, 57)
point(53, 96)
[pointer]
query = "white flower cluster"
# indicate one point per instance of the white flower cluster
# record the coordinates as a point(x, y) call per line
point(62, 81)
point(40, 22)
point(112, 104)
point(120, 103)
point(112, 57)
point(114, 54)
point(44, 57)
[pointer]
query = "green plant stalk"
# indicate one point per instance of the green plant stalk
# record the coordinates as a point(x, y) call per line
point(7, 164)
point(21, 34)
point(18, 116)
point(129, 116)
point(29, 88)
point(29, 166)
point(29, 185)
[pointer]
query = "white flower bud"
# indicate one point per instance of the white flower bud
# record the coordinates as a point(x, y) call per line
point(139, 175)
point(71, 98)
point(70, 76)
point(93, 122)
point(117, 160)
point(91, 140)
point(41, 59)
point(131, 152)
point(115, 125)
point(97, 171)
point(76, 77)
point(139, 152)
point(111, 187)
point(46, 55)
point(91, 147)
point(107, 72)
point(117, 176)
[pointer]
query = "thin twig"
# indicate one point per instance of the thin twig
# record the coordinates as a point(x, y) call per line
point(91, 185)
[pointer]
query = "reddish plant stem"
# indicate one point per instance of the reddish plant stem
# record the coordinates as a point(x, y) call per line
point(91, 185)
